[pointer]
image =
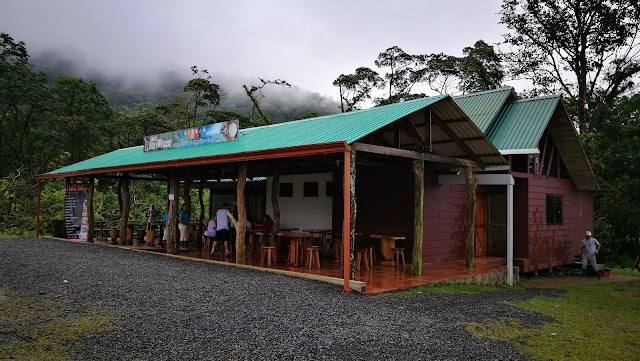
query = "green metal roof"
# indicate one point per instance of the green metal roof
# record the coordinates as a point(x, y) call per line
point(522, 122)
point(483, 107)
point(347, 127)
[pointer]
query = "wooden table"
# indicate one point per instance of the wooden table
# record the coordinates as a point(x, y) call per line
point(387, 242)
point(323, 238)
point(298, 243)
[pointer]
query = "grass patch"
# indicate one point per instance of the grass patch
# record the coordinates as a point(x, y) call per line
point(592, 322)
point(43, 329)
point(627, 271)
point(453, 288)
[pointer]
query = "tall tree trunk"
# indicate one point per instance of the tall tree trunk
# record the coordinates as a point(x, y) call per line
point(124, 213)
point(90, 214)
point(418, 214)
point(354, 212)
point(275, 189)
point(201, 201)
point(472, 183)
point(187, 188)
point(174, 199)
point(241, 228)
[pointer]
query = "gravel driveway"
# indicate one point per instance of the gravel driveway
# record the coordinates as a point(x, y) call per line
point(175, 309)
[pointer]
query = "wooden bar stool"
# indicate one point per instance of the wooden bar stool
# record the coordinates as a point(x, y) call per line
point(294, 252)
point(313, 256)
point(397, 253)
point(269, 252)
point(372, 254)
point(362, 255)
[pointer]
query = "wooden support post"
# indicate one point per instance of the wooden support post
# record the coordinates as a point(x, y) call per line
point(38, 191)
point(201, 202)
point(124, 213)
point(275, 190)
point(174, 199)
point(418, 216)
point(187, 188)
point(472, 183)
point(349, 213)
point(90, 214)
point(352, 216)
point(241, 226)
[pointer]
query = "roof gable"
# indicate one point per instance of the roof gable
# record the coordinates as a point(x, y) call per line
point(522, 122)
point(484, 107)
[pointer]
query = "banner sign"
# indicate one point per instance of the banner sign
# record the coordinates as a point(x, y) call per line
point(75, 211)
point(210, 133)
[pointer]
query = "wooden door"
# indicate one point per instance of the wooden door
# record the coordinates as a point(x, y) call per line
point(481, 225)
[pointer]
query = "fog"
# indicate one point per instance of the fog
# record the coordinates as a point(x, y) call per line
point(307, 43)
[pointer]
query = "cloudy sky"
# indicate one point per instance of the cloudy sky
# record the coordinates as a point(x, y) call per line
point(308, 43)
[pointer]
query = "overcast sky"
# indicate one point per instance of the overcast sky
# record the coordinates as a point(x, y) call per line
point(308, 43)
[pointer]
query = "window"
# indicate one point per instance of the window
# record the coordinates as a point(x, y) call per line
point(328, 189)
point(554, 209)
point(310, 189)
point(286, 190)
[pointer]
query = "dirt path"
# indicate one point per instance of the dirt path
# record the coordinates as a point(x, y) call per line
point(547, 282)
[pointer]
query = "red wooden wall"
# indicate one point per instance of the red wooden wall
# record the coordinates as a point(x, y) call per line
point(554, 245)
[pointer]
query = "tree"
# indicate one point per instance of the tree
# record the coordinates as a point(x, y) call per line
point(614, 156)
point(203, 93)
point(255, 95)
point(588, 49)
point(356, 88)
point(83, 118)
point(479, 69)
point(405, 71)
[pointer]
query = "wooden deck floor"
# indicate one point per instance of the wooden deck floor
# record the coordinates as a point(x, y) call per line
point(379, 279)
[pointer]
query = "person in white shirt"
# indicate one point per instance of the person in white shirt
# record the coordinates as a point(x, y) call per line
point(210, 233)
point(222, 229)
point(590, 247)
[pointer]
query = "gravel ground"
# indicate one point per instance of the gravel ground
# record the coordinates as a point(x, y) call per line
point(182, 310)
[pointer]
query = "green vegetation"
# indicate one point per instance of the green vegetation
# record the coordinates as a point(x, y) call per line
point(591, 322)
point(43, 329)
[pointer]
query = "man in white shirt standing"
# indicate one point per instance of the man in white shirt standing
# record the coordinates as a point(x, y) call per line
point(222, 229)
point(590, 247)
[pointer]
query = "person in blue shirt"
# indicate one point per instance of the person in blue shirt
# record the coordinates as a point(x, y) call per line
point(183, 225)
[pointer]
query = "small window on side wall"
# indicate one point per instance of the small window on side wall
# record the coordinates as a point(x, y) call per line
point(286, 190)
point(310, 189)
point(328, 189)
point(554, 209)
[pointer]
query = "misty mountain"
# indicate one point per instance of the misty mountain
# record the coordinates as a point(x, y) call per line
point(279, 103)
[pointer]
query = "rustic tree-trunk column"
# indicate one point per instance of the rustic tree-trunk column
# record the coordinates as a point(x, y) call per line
point(124, 213)
point(346, 220)
point(174, 199)
point(472, 183)
point(352, 215)
point(90, 214)
point(187, 188)
point(418, 216)
point(241, 226)
point(275, 190)
point(201, 201)
point(38, 191)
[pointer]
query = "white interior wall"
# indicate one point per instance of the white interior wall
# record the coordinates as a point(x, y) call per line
point(303, 212)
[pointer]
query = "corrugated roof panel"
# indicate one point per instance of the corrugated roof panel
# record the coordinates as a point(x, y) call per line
point(522, 123)
point(484, 107)
point(347, 127)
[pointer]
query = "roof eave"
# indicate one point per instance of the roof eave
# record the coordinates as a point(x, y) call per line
point(288, 152)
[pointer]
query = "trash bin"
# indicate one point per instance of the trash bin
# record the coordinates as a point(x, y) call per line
point(113, 233)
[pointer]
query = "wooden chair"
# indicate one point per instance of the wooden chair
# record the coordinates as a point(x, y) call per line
point(397, 253)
